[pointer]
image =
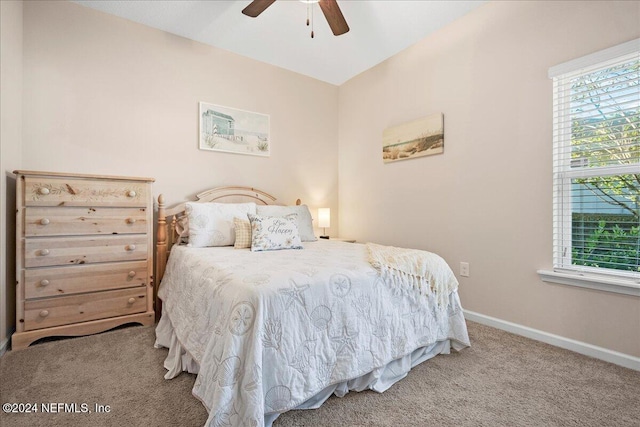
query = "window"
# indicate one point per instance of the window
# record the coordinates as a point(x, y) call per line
point(596, 164)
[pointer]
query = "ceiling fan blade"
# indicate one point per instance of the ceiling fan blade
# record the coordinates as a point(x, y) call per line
point(334, 16)
point(256, 7)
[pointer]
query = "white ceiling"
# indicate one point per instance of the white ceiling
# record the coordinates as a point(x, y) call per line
point(279, 36)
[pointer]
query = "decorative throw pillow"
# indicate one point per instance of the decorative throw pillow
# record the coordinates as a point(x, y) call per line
point(305, 221)
point(182, 229)
point(270, 233)
point(211, 224)
point(243, 233)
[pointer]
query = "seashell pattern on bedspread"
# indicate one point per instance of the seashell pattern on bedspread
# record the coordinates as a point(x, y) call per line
point(270, 330)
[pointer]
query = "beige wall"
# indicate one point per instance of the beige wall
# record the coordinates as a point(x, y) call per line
point(10, 154)
point(106, 95)
point(487, 199)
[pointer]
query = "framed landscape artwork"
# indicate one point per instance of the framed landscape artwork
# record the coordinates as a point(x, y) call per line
point(419, 138)
point(234, 131)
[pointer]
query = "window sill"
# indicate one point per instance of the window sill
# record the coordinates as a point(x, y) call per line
point(607, 284)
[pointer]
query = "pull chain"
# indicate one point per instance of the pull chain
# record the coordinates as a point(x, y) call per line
point(310, 13)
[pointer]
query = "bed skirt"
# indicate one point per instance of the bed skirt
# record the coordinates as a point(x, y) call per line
point(380, 379)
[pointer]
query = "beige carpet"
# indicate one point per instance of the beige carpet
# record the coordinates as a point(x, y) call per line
point(503, 380)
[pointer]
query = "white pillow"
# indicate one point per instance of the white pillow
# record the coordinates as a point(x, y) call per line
point(211, 224)
point(305, 222)
point(269, 233)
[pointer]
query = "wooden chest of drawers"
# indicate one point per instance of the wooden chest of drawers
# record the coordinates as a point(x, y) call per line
point(84, 254)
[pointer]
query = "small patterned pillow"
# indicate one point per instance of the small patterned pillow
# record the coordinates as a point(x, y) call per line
point(243, 233)
point(270, 233)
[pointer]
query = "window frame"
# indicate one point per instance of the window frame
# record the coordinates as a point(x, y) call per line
point(584, 276)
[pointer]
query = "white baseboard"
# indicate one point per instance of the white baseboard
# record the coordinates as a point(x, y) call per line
point(601, 353)
point(4, 344)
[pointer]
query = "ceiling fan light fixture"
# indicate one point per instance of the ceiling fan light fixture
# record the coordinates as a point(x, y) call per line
point(330, 10)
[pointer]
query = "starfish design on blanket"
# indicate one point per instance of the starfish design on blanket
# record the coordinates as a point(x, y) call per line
point(295, 294)
point(345, 340)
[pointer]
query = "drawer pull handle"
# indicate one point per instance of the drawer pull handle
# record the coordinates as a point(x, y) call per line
point(44, 252)
point(132, 273)
point(44, 221)
point(131, 220)
point(43, 191)
point(44, 313)
point(131, 300)
point(44, 282)
point(130, 248)
point(131, 193)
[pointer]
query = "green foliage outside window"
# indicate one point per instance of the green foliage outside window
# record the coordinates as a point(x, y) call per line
point(605, 132)
point(609, 246)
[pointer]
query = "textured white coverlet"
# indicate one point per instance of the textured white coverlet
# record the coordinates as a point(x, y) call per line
point(270, 330)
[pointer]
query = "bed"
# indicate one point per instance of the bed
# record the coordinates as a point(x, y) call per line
point(271, 331)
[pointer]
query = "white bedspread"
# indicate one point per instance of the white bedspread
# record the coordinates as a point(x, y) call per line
point(270, 330)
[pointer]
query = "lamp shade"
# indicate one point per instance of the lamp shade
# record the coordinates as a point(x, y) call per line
point(324, 217)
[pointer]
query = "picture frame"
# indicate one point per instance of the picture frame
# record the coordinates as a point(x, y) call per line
point(231, 130)
point(418, 138)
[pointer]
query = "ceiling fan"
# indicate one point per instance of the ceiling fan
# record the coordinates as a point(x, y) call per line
point(329, 8)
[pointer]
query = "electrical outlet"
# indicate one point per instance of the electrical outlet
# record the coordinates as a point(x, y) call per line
point(464, 269)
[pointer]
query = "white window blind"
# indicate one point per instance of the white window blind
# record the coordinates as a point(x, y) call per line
point(596, 163)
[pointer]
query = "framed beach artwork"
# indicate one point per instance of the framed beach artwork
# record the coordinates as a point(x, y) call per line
point(231, 130)
point(419, 138)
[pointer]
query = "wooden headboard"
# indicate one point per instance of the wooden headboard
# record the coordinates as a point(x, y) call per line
point(168, 218)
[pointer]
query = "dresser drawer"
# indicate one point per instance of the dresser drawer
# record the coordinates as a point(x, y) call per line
point(56, 281)
point(45, 221)
point(45, 191)
point(48, 312)
point(50, 251)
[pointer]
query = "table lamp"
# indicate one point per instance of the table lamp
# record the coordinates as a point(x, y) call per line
point(324, 221)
